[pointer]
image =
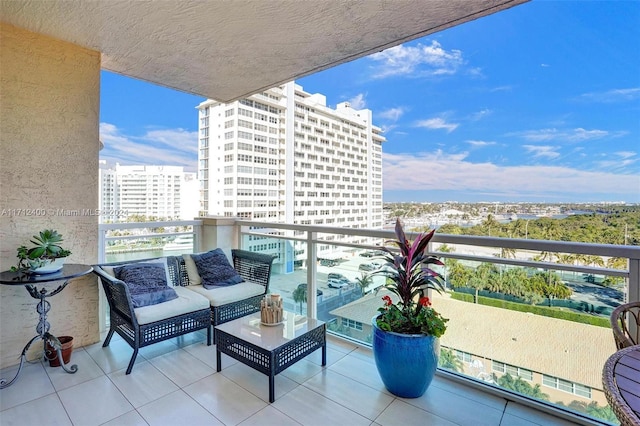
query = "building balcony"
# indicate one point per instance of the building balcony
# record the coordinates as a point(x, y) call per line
point(560, 354)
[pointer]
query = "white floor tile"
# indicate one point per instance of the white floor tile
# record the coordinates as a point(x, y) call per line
point(177, 408)
point(347, 392)
point(258, 383)
point(230, 403)
point(534, 416)
point(87, 370)
point(440, 402)
point(360, 371)
point(143, 385)
point(333, 356)
point(469, 392)
point(157, 349)
point(310, 408)
point(114, 357)
point(32, 383)
point(302, 370)
point(181, 367)
point(207, 354)
point(269, 416)
point(94, 402)
point(401, 413)
point(47, 410)
point(132, 418)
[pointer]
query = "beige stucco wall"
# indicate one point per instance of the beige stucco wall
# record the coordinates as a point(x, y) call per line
point(49, 113)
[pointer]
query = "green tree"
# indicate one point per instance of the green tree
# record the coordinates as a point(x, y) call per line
point(300, 296)
point(363, 281)
point(521, 386)
point(449, 360)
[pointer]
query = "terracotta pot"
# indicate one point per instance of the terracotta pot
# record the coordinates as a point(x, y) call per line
point(52, 354)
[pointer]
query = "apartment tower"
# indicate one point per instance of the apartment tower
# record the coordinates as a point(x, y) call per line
point(285, 156)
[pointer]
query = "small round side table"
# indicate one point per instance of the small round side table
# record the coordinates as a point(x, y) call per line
point(41, 287)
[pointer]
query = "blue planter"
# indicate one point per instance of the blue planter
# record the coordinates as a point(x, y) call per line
point(406, 362)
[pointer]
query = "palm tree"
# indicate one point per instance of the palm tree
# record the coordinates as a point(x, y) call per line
point(300, 296)
point(449, 360)
point(363, 282)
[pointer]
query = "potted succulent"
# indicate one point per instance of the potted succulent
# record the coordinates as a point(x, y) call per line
point(45, 256)
point(406, 331)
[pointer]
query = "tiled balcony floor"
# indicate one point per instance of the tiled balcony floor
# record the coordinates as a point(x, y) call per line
point(175, 383)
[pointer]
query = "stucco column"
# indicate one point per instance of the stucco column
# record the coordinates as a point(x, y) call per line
point(49, 116)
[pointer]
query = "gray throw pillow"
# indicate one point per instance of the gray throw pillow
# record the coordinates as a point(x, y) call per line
point(147, 283)
point(215, 270)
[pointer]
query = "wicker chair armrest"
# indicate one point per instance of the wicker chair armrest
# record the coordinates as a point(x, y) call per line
point(117, 293)
point(621, 319)
point(254, 267)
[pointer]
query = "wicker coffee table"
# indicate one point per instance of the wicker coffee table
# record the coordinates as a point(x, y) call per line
point(270, 349)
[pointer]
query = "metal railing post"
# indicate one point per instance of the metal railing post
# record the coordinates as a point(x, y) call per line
point(312, 269)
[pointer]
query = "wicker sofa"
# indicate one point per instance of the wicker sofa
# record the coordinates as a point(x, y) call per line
point(195, 308)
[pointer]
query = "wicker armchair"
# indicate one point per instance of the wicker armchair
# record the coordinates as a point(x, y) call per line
point(625, 323)
point(251, 266)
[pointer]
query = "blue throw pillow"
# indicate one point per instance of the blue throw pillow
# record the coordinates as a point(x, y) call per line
point(147, 283)
point(215, 270)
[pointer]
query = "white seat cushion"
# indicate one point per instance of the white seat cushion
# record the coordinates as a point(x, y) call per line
point(227, 294)
point(187, 301)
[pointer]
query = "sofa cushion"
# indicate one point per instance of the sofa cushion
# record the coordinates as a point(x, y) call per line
point(215, 270)
point(147, 283)
point(161, 261)
point(186, 301)
point(219, 296)
point(192, 270)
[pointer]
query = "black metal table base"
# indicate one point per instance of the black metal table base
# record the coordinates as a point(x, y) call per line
point(42, 329)
point(271, 361)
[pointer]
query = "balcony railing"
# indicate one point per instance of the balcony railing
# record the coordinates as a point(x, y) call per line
point(550, 349)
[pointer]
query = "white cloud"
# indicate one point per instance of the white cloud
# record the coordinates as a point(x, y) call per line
point(358, 101)
point(622, 160)
point(626, 154)
point(417, 61)
point(542, 151)
point(613, 95)
point(437, 123)
point(392, 114)
point(585, 135)
point(177, 147)
point(567, 135)
point(439, 171)
point(480, 144)
point(481, 114)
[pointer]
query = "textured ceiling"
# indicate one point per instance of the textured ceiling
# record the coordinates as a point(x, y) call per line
point(225, 50)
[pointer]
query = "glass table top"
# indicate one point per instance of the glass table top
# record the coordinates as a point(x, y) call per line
point(270, 337)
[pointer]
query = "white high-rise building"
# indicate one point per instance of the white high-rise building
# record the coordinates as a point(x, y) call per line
point(151, 191)
point(285, 156)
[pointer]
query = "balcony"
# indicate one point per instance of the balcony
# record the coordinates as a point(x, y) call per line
point(175, 383)
point(560, 355)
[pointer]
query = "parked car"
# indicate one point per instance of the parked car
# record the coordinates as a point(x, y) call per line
point(366, 267)
point(335, 276)
point(336, 283)
point(328, 262)
point(366, 254)
point(304, 285)
point(376, 264)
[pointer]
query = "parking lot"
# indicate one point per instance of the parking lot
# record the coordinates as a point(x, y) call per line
point(285, 284)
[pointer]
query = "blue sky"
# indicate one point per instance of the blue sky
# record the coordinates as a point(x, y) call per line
point(538, 103)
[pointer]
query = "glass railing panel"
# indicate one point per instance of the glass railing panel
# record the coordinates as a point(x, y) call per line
point(530, 320)
point(540, 333)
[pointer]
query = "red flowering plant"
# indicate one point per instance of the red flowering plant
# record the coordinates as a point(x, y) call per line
point(409, 277)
